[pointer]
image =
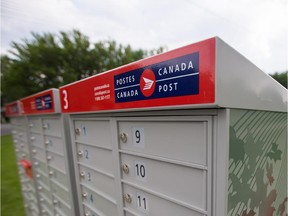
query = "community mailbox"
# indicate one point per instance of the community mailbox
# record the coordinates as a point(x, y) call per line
point(23, 156)
point(49, 154)
point(195, 131)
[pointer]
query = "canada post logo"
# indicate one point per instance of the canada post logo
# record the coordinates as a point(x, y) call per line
point(171, 78)
point(43, 102)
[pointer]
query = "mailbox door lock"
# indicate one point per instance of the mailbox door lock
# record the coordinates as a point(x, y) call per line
point(127, 198)
point(125, 168)
point(123, 137)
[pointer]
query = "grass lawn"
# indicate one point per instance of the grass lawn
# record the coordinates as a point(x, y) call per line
point(11, 196)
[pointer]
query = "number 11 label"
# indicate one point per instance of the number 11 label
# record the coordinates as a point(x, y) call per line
point(142, 202)
point(138, 137)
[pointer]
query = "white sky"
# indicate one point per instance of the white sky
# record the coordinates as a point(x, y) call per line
point(258, 29)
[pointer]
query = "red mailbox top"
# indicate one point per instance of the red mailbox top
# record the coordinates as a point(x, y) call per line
point(13, 109)
point(44, 102)
point(183, 76)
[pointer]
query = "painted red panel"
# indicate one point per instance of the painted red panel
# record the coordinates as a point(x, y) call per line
point(185, 76)
point(13, 109)
point(40, 103)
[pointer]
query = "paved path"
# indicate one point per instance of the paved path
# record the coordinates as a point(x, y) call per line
point(5, 129)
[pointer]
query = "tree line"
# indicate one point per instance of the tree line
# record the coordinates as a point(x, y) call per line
point(52, 60)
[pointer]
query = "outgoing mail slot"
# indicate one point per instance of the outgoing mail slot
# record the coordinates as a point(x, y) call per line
point(52, 126)
point(175, 181)
point(93, 132)
point(35, 124)
point(145, 203)
point(61, 191)
point(98, 158)
point(98, 181)
point(96, 201)
point(56, 161)
point(54, 144)
point(182, 140)
point(58, 176)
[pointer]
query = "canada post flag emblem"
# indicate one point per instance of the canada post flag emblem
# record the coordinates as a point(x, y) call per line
point(171, 78)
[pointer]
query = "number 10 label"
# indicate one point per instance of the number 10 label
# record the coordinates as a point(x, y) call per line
point(138, 137)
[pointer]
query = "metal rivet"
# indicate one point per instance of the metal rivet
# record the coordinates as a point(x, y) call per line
point(55, 202)
point(84, 194)
point(50, 173)
point(38, 175)
point(34, 151)
point(39, 188)
point(36, 163)
point(49, 158)
point(123, 137)
point(87, 214)
point(32, 138)
point(82, 174)
point(127, 198)
point(125, 168)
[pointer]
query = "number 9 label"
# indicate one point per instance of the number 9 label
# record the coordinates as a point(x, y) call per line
point(138, 137)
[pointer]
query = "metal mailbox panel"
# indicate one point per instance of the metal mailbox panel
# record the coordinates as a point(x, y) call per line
point(60, 191)
point(58, 176)
point(89, 211)
point(45, 201)
point(42, 178)
point(102, 205)
point(39, 153)
point(56, 161)
point(54, 144)
point(37, 140)
point(103, 183)
point(35, 124)
point(44, 191)
point(176, 181)
point(144, 203)
point(23, 147)
point(92, 132)
point(62, 208)
point(22, 136)
point(39, 165)
point(99, 158)
point(52, 126)
point(183, 140)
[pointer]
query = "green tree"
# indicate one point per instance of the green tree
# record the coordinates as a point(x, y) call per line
point(281, 78)
point(52, 60)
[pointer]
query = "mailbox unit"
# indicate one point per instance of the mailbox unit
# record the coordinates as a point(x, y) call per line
point(49, 155)
point(23, 157)
point(195, 131)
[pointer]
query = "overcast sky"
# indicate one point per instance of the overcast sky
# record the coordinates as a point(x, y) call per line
point(258, 29)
